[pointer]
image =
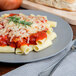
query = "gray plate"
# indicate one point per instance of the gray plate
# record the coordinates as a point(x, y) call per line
point(64, 36)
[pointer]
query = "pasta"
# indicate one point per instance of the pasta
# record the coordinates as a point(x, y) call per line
point(26, 49)
point(50, 31)
point(7, 49)
point(39, 47)
point(40, 42)
point(21, 34)
point(52, 36)
point(18, 51)
point(52, 23)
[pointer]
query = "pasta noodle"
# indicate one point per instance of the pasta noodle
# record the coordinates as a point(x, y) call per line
point(40, 42)
point(52, 36)
point(52, 23)
point(18, 51)
point(39, 47)
point(7, 49)
point(26, 49)
point(50, 30)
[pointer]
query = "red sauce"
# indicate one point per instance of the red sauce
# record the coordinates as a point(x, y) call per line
point(1, 23)
point(3, 40)
point(37, 36)
point(19, 43)
point(16, 43)
point(12, 14)
point(12, 44)
point(32, 40)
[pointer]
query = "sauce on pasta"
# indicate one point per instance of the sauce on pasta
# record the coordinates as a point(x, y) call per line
point(5, 40)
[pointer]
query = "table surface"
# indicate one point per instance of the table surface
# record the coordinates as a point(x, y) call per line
point(4, 67)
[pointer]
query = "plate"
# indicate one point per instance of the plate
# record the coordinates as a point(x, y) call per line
point(64, 37)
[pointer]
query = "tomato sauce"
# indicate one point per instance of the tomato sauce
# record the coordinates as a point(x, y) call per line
point(12, 14)
point(37, 36)
point(23, 42)
point(3, 40)
point(16, 43)
point(12, 44)
point(1, 23)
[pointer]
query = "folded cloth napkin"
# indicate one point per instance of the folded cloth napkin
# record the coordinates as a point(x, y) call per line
point(45, 67)
point(67, 66)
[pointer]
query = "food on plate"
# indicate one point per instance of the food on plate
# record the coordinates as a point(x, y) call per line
point(22, 34)
point(10, 4)
point(60, 4)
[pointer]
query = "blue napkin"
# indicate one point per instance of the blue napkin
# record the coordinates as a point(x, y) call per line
point(67, 66)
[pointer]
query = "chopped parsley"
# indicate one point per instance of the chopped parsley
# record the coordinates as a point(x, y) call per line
point(25, 23)
point(17, 20)
point(14, 19)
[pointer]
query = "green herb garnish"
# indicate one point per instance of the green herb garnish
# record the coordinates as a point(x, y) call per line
point(14, 19)
point(17, 20)
point(25, 23)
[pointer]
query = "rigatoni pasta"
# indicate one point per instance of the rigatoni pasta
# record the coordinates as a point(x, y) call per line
point(21, 34)
point(39, 47)
point(18, 51)
point(52, 23)
point(40, 42)
point(26, 49)
point(7, 49)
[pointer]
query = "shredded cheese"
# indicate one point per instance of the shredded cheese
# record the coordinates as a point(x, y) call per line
point(19, 30)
